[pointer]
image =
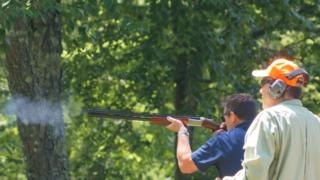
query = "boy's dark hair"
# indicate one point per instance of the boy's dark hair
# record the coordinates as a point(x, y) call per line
point(242, 104)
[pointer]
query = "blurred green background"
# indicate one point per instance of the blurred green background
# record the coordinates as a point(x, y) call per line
point(157, 56)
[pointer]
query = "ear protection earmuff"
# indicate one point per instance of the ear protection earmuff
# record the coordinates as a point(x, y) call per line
point(278, 87)
point(305, 76)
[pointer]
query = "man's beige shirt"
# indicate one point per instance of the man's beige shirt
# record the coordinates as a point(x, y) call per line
point(282, 143)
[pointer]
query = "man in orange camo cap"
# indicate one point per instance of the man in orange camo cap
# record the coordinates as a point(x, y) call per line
point(283, 140)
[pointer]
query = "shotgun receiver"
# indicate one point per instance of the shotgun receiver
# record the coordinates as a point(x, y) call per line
point(155, 119)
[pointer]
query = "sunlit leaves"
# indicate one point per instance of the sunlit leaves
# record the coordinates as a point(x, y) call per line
point(128, 55)
point(11, 160)
point(133, 51)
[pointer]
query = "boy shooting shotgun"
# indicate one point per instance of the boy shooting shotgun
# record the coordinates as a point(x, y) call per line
point(154, 118)
point(224, 150)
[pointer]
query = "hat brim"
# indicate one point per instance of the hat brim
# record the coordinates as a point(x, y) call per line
point(259, 73)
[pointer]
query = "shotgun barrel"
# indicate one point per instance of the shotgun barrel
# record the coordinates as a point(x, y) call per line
point(156, 119)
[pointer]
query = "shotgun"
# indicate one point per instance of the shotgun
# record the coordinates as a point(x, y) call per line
point(155, 119)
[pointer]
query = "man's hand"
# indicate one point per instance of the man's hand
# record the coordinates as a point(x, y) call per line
point(175, 125)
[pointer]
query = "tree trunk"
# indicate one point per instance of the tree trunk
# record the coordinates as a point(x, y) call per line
point(34, 76)
point(183, 104)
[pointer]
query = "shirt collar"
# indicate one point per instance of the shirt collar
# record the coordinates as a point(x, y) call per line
point(294, 102)
point(245, 124)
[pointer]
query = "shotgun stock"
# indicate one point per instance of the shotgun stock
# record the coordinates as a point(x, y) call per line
point(155, 119)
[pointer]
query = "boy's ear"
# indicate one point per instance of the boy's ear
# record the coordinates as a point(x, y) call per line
point(233, 117)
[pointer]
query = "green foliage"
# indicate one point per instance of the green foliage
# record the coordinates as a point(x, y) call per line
point(11, 161)
point(134, 55)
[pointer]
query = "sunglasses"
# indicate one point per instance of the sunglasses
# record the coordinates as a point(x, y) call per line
point(265, 81)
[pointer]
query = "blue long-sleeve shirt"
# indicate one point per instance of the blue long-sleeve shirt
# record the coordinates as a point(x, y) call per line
point(224, 151)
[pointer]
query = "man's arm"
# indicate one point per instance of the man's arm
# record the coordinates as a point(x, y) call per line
point(186, 164)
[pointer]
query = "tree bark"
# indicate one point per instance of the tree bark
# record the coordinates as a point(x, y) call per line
point(34, 76)
point(182, 104)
